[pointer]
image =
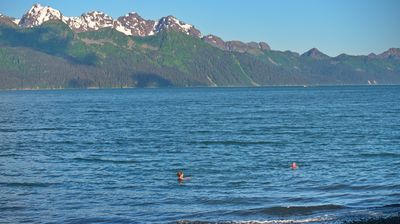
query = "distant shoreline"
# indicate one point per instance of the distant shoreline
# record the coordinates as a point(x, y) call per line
point(200, 87)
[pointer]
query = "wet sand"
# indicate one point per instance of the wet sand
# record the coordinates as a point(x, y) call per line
point(389, 220)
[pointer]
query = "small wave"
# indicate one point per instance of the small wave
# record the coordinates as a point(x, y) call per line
point(65, 142)
point(7, 130)
point(103, 160)
point(380, 154)
point(30, 130)
point(392, 206)
point(277, 221)
point(290, 210)
point(27, 184)
point(12, 208)
point(234, 142)
point(102, 111)
point(99, 220)
point(340, 186)
point(337, 186)
point(9, 155)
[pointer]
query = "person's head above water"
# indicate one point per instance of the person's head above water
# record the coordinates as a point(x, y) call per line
point(294, 166)
point(180, 175)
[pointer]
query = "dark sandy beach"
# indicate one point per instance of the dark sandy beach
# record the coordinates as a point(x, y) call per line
point(389, 220)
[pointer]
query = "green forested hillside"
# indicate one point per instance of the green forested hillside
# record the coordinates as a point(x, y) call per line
point(53, 56)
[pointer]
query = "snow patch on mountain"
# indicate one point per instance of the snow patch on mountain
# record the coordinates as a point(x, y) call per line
point(16, 21)
point(121, 28)
point(73, 22)
point(94, 20)
point(172, 23)
point(273, 62)
point(186, 27)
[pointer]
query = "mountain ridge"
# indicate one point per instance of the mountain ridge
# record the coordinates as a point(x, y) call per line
point(132, 24)
point(315, 54)
point(94, 20)
point(98, 55)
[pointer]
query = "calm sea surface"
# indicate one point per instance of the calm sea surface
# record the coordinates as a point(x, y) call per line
point(81, 156)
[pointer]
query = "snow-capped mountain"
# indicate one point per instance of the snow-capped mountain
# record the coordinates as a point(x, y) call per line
point(93, 20)
point(131, 24)
point(136, 25)
point(39, 14)
point(172, 23)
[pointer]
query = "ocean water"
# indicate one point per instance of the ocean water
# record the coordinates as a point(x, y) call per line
point(90, 156)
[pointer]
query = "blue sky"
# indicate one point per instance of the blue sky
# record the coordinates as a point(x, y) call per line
point(333, 26)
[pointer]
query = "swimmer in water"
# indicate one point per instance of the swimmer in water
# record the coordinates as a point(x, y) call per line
point(180, 176)
point(294, 166)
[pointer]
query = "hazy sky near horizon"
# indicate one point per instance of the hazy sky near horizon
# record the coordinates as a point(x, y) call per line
point(333, 26)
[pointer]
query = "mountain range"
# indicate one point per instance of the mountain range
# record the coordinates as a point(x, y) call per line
point(47, 50)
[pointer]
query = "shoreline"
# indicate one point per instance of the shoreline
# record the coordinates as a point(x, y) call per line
point(190, 87)
point(382, 220)
point(378, 220)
